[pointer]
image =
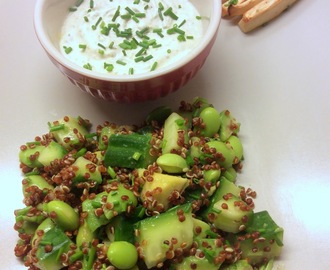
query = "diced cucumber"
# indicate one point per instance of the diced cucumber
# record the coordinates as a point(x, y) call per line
point(200, 228)
point(267, 243)
point(226, 153)
point(154, 234)
point(59, 242)
point(51, 152)
point(86, 171)
point(35, 180)
point(129, 150)
point(228, 126)
point(198, 264)
point(69, 131)
point(238, 265)
point(121, 228)
point(175, 129)
point(30, 155)
point(161, 188)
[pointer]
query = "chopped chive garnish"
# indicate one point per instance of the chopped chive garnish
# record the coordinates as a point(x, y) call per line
point(126, 16)
point(101, 52)
point(136, 2)
point(156, 46)
point(91, 4)
point(146, 7)
point(56, 128)
point(86, 19)
point(182, 23)
point(82, 46)
point(130, 11)
point(179, 31)
point(169, 12)
point(88, 66)
point(181, 38)
point(190, 37)
point(147, 58)
point(135, 19)
point(117, 13)
point(72, 9)
point(108, 67)
point(140, 15)
point(67, 50)
point(139, 59)
point(101, 45)
point(121, 62)
point(136, 155)
point(111, 172)
point(169, 51)
point(131, 72)
point(97, 23)
point(111, 44)
point(124, 52)
point(154, 66)
point(198, 17)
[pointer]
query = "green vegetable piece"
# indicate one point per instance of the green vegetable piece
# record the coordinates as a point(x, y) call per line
point(70, 132)
point(211, 119)
point(122, 254)
point(211, 175)
point(229, 125)
point(175, 133)
point(195, 148)
point(160, 189)
point(199, 104)
point(44, 226)
point(227, 153)
point(269, 242)
point(37, 181)
point(237, 146)
point(84, 235)
point(238, 265)
point(159, 115)
point(65, 216)
point(121, 200)
point(86, 171)
point(232, 215)
point(172, 163)
point(129, 151)
point(53, 243)
point(30, 155)
point(199, 263)
point(154, 232)
point(230, 174)
point(90, 207)
point(51, 152)
point(121, 228)
point(27, 223)
point(200, 228)
point(106, 132)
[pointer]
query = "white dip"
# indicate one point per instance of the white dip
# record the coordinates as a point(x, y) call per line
point(130, 36)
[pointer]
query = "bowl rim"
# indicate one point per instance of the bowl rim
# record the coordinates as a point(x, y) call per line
point(49, 47)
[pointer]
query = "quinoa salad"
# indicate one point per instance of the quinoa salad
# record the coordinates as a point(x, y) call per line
point(159, 195)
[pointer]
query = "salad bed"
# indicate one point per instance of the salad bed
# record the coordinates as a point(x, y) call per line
point(161, 195)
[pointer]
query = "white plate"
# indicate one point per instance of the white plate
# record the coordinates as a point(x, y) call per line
point(276, 81)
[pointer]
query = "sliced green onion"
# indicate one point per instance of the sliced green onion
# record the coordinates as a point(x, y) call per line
point(169, 12)
point(82, 46)
point(121, 62)
point(117, 13)
point(97, 23)
point(88, 66)
point(131, 72)
point(67, 50)
point(154, 66)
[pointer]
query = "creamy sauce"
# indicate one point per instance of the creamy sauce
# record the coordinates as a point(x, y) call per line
point(130, 36)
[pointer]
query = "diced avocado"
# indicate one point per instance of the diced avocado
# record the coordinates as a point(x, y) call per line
point(175, 129)
point(58, 242)
point(120, 199)
point(51, 152)
point(30, 155)
point(129, 151)
point(267, 243)
point(229, 125)
point(154, 234)
point(35, 180)
point(232, 215)
point(200, 228)
point(86, 171)
point(161, 188)
point(237, 146)
point(69, 131)
point(238, 265)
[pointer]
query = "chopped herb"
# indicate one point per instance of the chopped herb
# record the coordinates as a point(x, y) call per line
point(154, 66)
point(149, 57)
point(182, 23)
point(86, 19)
point(97, 23)
point(101, 45)
point(82, 46)
point(169, 12)
point(130, 11)
point(198, 17)
point(108, 67)
point(101, 52)
point(88, 66)
point(231, 2)
point(116, 15)
point(131, 72)
point(67, 50)
point(91, 3)
point(121, 62)
point(136, 2)
point(111, 44)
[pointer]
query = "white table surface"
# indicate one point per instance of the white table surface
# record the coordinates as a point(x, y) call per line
point(276, 81)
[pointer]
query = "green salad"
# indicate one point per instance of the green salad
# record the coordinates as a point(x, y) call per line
point(160, 195)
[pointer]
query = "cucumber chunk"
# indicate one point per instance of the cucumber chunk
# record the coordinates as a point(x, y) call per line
point(153, 244)
point(51, 152)
point(86, 171)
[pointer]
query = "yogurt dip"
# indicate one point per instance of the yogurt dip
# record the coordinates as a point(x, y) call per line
point(130, 36)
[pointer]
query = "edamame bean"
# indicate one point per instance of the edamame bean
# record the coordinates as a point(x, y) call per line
point(211, 119)
point(65, 216)
point(211, 175)
point(123, 255)
point(172, 163)
point(226, 151)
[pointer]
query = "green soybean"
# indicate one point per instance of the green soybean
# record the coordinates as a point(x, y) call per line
point(65, 216)
point(226, 151)
point(211, 119)
point(172, 163)
point(123, 255)
point(211, 175)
